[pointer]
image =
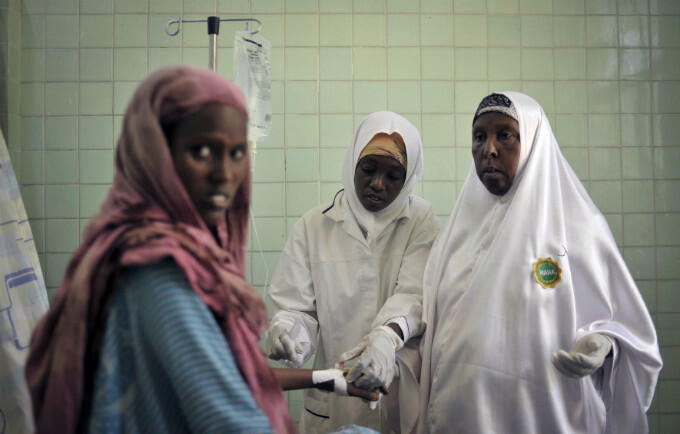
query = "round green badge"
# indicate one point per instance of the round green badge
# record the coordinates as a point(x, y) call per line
point(547, 272)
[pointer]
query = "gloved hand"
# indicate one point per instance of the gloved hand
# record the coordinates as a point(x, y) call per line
point(373, 360)
point(288, 342)
point(586, 355)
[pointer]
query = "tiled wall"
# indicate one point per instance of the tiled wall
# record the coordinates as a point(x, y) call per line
point(605, 71)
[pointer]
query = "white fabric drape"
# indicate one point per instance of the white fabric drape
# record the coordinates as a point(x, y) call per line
point(491, 328)
point(23, 300)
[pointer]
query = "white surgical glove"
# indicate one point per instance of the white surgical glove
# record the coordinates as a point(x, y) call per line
point(585, 357)
point(288, 342)
point(372, 362)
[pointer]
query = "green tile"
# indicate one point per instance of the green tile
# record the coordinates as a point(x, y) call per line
point(666, 95)
point(202, 7)
point(504, 63)
point(601, 31)
point(301, 63)
point(96, 31)
point(665, 64)
point(95, 132)
point(233, 6)
point(301, 30)
point(33, 6)
point(194, 34)
point(664, 7)
point(61, 6)
point(272, 29)
point(369, 96)
point(438, 6)
point(633, 7)
point(301, 97)
point(268, 200)
point(32, 65)
point(667, 196)
point(370, 63)
point(502, 6)
point(60, 132)
point(436, 30)
point(61, 236)
point(269, 166)
point(302, 165)
point(666, 162)
point(31, 167)
point(638, 196)
point(578, 160)
point(96, 167)
point(278, 92)
point(32, 99)
point(504, 31)
point(271, 231)
point(569, 31)
point(303, 130)
point(130, 30)
point(394, 6)
point(61, 31)
point(605, 164)
point(635, 97)
point(264, 264)
point(570, 130)
point(634, 64)
point(568, 7)
point(95, 98)
point(97, 6)
point(463, 131)
point(637, 163)
point(32, 31)
point(122, 94)
point(195, 57)
point(368, 6)
point(602, 64)
point(670, 355)
point(570, 63)
point(665, 31)
point(275, 137)
point(132, 6)
point(130, 63)
point(634, 31)
point(603, 96)
point(640, 261)
point(157, 35)
point(404, 96)
point(635, 130)
point(468, 95)
point(604, 130)
point(439, 164)
point(33, 198)
point(328, 190)
point(437, 97)
point(268, 6)
point(396, 36)
point(442, 195)
point(61, 201)
point(55, 268)
point(638, 229)
point(336, 30)
point(96, 64)
point(600, 7)
point(470, 64)
point(437, 63)
point(537, 64)
point(276, 62)
point(335, 63)
point(330, 165)
point(60, 98)
point(61, 167)
point(541, 91)
point(469, 30)
point(403, 63)
point(469, 7)
point(667, 229)
point(666, 129)
point(32, 132)
point(335, 130)
point(437, 130)
point(668, 263)
point(301, 197)
point(606, 195)
point(366, 30)
point(535, 7)
point(91, 198)
point(537, 31)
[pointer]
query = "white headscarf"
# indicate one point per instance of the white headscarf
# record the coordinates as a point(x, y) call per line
point(382, 122)
point(493, 327)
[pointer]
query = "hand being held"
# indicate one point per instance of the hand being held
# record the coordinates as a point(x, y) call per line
point(283, 346)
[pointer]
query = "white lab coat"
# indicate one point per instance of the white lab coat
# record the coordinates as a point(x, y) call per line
point(340, 285)
point(492, 323)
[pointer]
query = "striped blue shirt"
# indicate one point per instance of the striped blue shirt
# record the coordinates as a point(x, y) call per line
point(165, 366)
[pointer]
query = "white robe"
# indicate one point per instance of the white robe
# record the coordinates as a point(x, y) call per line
point(491, 327)
point(337, 283)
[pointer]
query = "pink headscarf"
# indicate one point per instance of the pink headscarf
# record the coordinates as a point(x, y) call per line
point(148, 216)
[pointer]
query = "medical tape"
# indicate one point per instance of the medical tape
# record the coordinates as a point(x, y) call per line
point(339, 382)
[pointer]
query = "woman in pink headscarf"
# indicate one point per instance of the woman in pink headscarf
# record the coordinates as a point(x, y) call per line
point(135, 339)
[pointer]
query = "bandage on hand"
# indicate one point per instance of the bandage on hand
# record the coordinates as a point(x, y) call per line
point(340, 385)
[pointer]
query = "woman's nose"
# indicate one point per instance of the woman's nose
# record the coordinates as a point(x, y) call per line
point(378, 182)
point(491, 148)
point(223, 170)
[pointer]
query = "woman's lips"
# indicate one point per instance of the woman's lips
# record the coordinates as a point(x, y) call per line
point(373, 198)
point(217, 201)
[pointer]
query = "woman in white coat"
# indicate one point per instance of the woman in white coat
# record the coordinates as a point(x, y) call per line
point(534, 323)
point(351, 273)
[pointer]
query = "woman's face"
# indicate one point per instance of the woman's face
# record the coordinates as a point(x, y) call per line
point(495, 149)
point(210, 154)
point(378, 179)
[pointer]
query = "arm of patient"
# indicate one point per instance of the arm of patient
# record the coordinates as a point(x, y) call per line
point(291, 379)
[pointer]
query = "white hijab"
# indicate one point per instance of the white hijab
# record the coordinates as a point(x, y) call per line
point(492, 325)
point(373, 223)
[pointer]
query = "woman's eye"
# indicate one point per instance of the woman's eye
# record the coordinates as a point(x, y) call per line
point(201, 152)
point(238, 153)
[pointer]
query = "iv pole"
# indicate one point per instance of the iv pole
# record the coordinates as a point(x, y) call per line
point(213, 31)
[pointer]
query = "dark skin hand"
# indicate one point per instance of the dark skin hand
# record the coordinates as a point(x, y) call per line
point(292, 379)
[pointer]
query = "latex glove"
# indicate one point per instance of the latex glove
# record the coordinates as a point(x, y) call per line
point(373, 360)
point(585, 357)
point(288, 342)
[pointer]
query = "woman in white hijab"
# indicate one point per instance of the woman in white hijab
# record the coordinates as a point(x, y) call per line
point(526, 267)
point(351, 273)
